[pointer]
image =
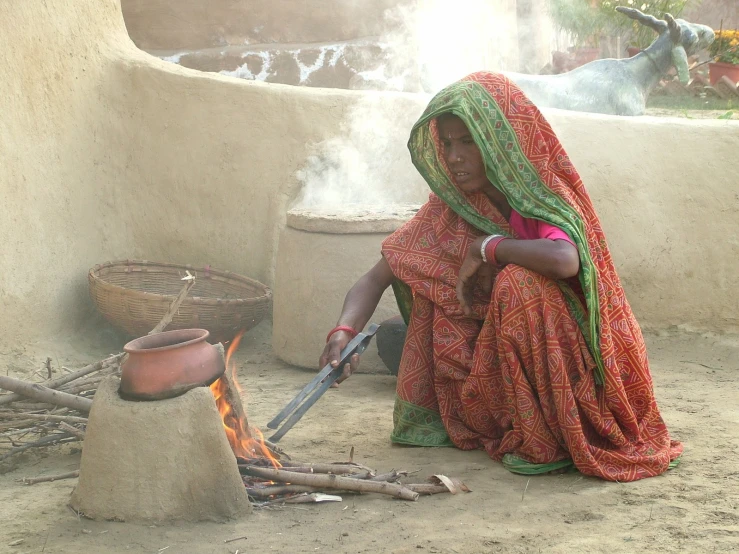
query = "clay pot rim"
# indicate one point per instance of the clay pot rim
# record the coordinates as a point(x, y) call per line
point(188, 336)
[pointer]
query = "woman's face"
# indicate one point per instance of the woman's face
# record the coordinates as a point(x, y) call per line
point(462, 155)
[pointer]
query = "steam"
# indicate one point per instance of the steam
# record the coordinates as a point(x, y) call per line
point(367, 163)
point(427, 46)
point(452, 38)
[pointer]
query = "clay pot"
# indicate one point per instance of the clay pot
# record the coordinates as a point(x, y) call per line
point(169, 364)
point(717, 70)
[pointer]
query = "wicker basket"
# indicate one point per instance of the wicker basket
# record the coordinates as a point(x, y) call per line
point(135, 295)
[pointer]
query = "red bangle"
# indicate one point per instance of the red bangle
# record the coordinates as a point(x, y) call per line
point(345, 328)
point(491, 247)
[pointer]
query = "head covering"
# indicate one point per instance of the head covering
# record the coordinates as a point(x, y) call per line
point(525, 160)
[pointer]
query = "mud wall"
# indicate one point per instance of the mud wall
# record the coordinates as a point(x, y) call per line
point(715, 13)
point(59, 195)
point(347, 44)
point(193, 24)
point(109, 153)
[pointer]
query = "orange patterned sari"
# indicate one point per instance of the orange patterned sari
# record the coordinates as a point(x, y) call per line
point(546, 373)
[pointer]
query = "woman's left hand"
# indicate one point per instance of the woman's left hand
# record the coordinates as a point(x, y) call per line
point(472, 268)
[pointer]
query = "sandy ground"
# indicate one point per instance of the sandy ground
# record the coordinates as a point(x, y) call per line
point(694, 508)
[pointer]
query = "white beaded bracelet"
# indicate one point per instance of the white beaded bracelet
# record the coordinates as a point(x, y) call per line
point(484, 244)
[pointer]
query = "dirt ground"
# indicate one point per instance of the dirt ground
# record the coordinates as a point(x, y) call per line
point(694, 508)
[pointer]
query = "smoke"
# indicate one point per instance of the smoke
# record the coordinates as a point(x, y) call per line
point(452, 38)
point(427, 44)
point(367, 162)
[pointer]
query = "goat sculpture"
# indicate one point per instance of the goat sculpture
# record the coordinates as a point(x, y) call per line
point(621, 87)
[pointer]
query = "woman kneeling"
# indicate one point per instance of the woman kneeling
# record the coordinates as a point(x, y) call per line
point(520, 338)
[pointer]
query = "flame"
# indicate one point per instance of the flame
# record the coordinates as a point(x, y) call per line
point(239, 435)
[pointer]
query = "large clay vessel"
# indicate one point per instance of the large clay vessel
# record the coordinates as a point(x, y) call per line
point(306, 308)
point(169, 364)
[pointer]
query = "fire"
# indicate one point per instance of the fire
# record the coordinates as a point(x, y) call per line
point(243, 443)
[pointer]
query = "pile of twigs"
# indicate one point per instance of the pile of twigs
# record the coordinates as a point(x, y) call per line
point(296, 482)
point(55, 411)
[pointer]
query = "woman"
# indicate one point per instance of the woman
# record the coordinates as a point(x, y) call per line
point(520, 339)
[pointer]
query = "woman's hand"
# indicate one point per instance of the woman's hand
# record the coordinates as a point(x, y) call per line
point(359, 305)
point(472, 269)
point(332, 354)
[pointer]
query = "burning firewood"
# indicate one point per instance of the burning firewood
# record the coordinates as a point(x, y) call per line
point(50, 478)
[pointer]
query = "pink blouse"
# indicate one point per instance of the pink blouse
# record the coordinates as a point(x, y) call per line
point(534, 229)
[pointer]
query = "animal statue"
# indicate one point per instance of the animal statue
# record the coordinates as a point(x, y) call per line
point(621, 87)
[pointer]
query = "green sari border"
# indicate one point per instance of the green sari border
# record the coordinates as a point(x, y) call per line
point(417, 426)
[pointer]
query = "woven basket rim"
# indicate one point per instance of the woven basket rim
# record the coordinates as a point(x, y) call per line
point(195, 300)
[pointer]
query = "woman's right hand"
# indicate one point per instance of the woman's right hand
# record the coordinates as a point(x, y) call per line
point(332, 354)
point(359, 305)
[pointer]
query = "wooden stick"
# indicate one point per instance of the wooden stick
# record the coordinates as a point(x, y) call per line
point(24, 425)
point(320, 469)
point(55, 383)
point(20, 407)
point(45, 441)
point(52, 417)
point(276, 451)
point(330, 469)
point(79, 433)
point(426, 488)
point(390, 477)
point(336, 469)
point(278, 490)
point(85, 386)
point(236, 539)
point(19, 425)
point(45, 394)
point(50, 478)
point(169, 316)
point(333, 482)
point(90, 380)
point(40, 428)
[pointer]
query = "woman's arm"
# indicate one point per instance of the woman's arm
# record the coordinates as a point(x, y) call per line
point(556, 259)
point(359, 304)
point(362, 299)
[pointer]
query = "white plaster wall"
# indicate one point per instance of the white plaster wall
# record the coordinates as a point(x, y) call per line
point(106, 152)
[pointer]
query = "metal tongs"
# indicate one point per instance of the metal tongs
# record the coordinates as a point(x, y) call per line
point(319, 385)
